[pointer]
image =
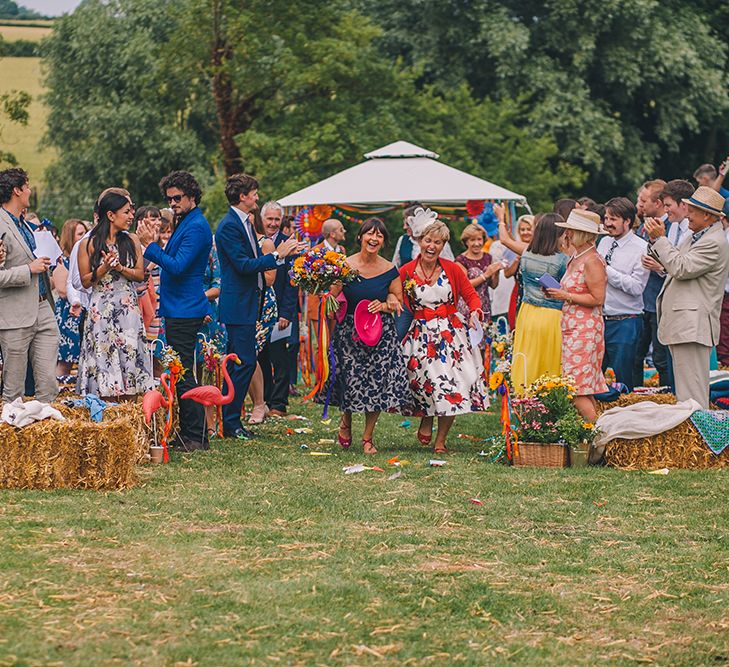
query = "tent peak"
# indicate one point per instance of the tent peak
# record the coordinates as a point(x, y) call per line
point(401, 149)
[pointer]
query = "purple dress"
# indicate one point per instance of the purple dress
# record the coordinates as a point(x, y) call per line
point(474, 268)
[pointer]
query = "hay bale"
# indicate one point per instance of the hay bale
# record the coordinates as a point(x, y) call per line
point(681, 447)
point(76, 453)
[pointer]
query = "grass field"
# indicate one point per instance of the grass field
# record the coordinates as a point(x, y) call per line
point(22, 141)
point(259, 553)
point(12, 33)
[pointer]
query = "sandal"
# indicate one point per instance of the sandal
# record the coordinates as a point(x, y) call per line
point(425, 439)
point(441, 449)
point(368, 446)
point(344, 443)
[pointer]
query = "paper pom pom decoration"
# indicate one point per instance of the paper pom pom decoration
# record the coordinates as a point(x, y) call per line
point(474, 207)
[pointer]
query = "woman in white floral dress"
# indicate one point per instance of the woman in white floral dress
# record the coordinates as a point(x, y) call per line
point(114, 362)
point(444, 369)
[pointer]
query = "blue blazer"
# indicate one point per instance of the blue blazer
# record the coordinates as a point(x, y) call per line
point(287, 296)
point(182, 267)
point(240, 297)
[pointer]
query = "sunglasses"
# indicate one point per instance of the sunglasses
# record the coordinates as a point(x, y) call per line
point(174, 198)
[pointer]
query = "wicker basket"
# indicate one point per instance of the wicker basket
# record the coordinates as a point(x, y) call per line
point(542, 455)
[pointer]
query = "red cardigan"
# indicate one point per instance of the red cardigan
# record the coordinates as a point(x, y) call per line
point(460, 284)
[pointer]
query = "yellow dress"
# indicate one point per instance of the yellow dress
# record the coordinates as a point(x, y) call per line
point(538, 333)
point(537, 345)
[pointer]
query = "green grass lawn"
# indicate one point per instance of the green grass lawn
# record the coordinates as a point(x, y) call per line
point(259, 553)
point(23, 141)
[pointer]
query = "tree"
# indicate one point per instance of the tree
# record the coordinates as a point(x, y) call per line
point(624, 87)
point(14, 107)
point(290, 91)
point(117, 116)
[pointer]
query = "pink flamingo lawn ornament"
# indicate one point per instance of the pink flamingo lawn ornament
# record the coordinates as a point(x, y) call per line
point(208, 394)
point(154, 400)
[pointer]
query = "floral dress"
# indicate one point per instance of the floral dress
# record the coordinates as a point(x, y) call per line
point(366, 378)
point(213, 331)
point(69, 335)
point(583, 334)
point(445, 371)
point(114, 359)
point(269, 314)
point(475, 268)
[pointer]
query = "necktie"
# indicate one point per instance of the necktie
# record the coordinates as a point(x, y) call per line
point(609, 256)
point(678, 233)
point(254, 244)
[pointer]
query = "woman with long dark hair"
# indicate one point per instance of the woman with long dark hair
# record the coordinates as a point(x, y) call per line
point(114, 362)
point(537, 336)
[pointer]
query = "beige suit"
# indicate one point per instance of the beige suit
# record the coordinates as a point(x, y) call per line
point(28, 326)
point(689, 306)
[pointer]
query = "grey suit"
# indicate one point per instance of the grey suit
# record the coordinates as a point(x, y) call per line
point(689, 306)
point(27, 325)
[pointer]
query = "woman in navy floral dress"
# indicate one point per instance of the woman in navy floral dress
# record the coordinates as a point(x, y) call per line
point(368, 379)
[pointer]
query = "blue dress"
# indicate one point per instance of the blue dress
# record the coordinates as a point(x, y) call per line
point(364, 378)
point(214, 331)
point(69, 346)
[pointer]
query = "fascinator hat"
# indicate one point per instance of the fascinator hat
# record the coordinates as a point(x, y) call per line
point(420, 221)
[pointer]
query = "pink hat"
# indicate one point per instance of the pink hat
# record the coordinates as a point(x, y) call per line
point(342, 312)
point(367, 325)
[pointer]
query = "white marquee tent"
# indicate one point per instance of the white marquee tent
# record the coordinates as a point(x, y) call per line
point(397, 173)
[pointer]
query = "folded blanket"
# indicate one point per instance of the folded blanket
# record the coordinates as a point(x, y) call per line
point(640, 420)
point(713, 425)
point(21, 414)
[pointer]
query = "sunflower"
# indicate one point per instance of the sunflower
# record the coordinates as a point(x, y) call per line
point(496, 380)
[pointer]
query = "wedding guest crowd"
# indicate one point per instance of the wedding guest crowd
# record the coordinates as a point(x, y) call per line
point(586, 287)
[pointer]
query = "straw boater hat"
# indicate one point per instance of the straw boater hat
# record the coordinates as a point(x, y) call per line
point(582, 221)
point(707, 199)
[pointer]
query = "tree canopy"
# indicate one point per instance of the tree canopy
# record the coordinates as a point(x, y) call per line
point(549, 99)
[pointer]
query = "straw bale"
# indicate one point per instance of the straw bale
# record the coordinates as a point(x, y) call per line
point(76, 453)
point(681, 447)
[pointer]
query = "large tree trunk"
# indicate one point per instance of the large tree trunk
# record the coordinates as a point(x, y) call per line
point(225, 107)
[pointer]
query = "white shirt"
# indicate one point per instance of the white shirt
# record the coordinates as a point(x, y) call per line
point(76, 293)
point(626, 275)
point(674, 237)
point(501, 295)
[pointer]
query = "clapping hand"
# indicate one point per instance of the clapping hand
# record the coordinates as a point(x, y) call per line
point(651, 264)
point(654, 228)
point(110, 259)
point(291, 246)
point(499, 212)
point(148, 231)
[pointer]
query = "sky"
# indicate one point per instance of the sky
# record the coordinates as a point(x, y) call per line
point(50, 7)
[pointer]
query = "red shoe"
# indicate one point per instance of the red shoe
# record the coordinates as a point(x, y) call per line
point(425, 439)
point(344, 443)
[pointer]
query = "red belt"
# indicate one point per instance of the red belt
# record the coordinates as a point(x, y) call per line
point(444, 310)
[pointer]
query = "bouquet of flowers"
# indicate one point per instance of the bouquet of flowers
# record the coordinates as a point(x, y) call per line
point(317, 270)
point(547, 415)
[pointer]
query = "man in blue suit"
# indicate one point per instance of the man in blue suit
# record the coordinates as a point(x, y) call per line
point(241, 288)
point(182, 301)
point(274, 357)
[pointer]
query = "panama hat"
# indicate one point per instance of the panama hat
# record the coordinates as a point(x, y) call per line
point(367, 325)
point(582, 221)
point(707, 199)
